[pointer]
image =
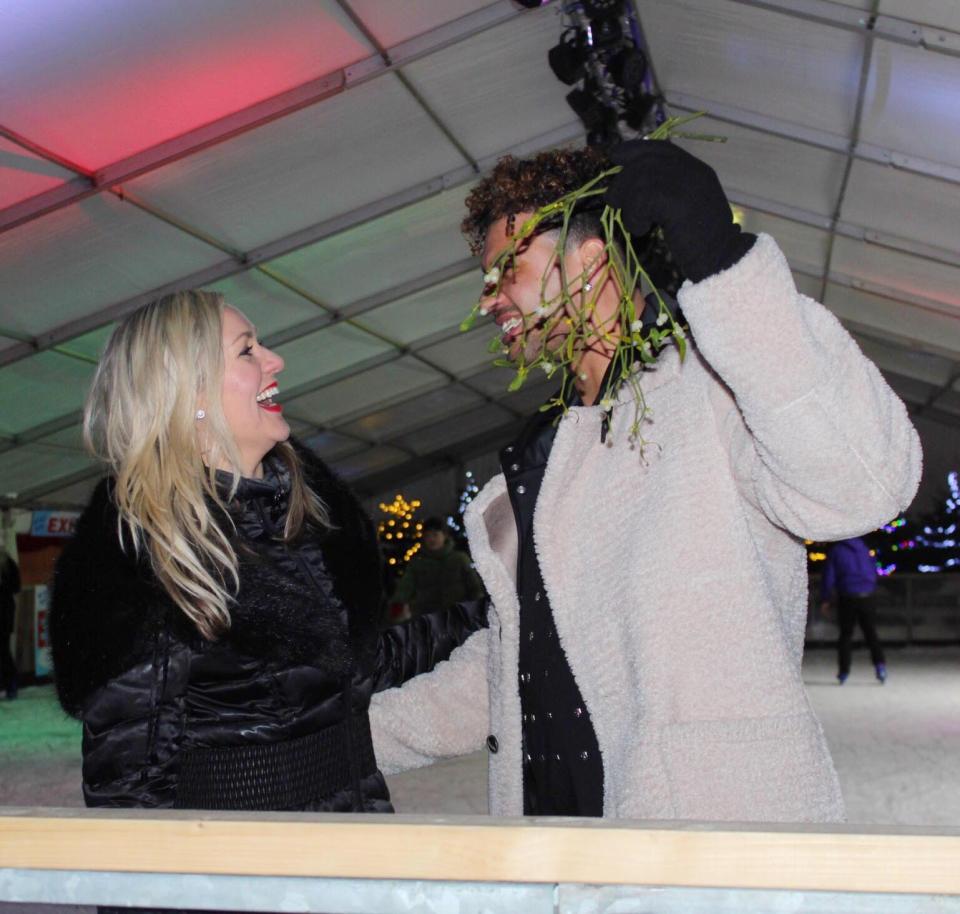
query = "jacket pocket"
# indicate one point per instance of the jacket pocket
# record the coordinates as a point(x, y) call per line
point(765, 769)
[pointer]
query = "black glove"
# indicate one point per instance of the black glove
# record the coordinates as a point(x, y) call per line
point(662, 184)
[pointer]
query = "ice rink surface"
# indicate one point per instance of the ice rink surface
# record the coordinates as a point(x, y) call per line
point(896, 747)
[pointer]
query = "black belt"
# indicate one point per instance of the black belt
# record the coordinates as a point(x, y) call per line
point(274, 776)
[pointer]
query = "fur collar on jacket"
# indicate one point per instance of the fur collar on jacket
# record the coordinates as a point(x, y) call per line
point(108, 608)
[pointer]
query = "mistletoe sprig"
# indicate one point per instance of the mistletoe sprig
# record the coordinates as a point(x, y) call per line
point(566, 320)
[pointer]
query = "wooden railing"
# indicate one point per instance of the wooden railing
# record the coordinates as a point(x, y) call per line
point(840, 859)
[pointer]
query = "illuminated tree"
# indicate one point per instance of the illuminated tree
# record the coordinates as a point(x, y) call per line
point(399, 532)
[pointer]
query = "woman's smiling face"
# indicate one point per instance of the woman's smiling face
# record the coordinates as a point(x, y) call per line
point(249, 372)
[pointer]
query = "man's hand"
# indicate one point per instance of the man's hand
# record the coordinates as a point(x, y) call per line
point(826, 610)
point(662, 184)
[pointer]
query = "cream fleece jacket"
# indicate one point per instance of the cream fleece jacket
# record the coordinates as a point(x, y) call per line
point(677, 576)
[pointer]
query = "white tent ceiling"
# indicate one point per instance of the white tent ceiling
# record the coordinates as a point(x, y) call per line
point(310, 160)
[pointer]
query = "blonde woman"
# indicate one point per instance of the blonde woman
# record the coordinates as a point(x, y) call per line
point(214, 617)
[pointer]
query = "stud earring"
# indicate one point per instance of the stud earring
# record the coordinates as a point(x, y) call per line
point(587, 286)
point(201, 414)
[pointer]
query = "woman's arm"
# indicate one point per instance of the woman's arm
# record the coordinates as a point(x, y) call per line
point(133, 729)
point(418, 645)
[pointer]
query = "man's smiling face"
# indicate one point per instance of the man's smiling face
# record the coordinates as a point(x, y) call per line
point(529, 281)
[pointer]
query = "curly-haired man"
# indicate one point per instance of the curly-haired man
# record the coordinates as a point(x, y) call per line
point(644, 652)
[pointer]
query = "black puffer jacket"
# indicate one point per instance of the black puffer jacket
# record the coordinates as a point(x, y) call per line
point(271, 716)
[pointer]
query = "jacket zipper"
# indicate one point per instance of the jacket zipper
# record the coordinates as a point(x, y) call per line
point(158, 688)
point(353, 761)
point(347, 699)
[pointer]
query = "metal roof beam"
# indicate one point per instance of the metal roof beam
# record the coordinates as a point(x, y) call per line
point(820, 11)
point(51, 339)
point(439, 458)
point(409, 471)
point(949, 387)
point(372, 302)
point(334, 316)
point(811, 136)
point(841, 145)
point(28, 436)
point(901, 340)
point(316, 233)
point(847, 147)
point(34, 494)
point(865, 64)
point(467, 265)
point(446, 455)
point(374, 361)
point(413, 428)
point(413, 350)
point(917, 406)
point(384, 53)
point(328, 228)
point(457, 177)
point(30, 496)
point(247, 119)
point(41, 152)
point(339, 423)
point(894, 344)
point(38, 432)
point(922, 366)
point(889, 28)
point(172, 150)
point(911, 300)
point(366, 443)
point(940, 416)
point(850, 230)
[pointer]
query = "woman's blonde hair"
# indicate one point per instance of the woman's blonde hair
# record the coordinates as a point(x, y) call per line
point(141, 419)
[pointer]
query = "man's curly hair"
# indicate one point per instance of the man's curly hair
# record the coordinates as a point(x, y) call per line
point(524, 185)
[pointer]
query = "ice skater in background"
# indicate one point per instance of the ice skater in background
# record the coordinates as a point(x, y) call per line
point(439, 576)
point(851, 575)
